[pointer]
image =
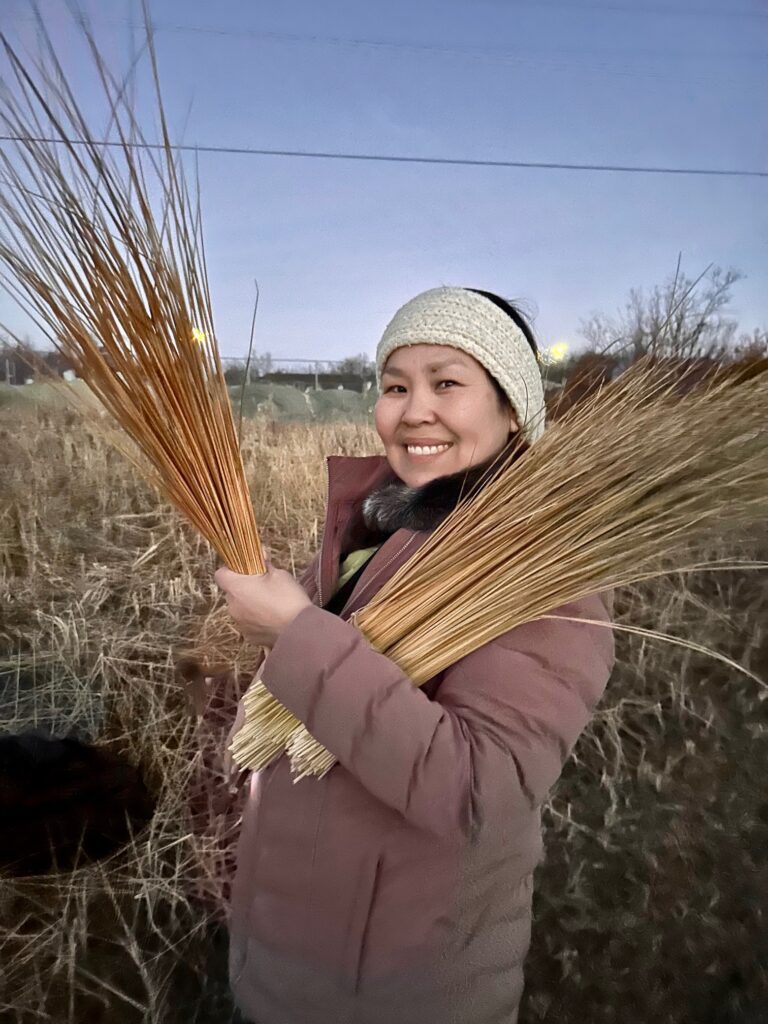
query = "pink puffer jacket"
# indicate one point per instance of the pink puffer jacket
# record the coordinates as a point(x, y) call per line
point(397, 890)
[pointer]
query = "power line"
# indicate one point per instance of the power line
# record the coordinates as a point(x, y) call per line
point(549, 59)
point(541, 165)
point(464, 51)
point(607, 7)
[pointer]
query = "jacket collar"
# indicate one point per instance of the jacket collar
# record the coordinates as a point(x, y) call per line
point(350, 479)
point(396, 506)
point(401, 516)
point(388, 503)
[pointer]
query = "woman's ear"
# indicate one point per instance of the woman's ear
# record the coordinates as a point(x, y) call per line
point(514, 426)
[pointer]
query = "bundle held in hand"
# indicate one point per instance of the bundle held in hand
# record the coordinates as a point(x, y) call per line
point(621, 488)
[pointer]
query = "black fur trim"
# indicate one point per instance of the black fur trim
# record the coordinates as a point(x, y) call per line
point(397, 506)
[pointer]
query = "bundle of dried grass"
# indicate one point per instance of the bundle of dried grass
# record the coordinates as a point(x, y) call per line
point(623, 488)
point(101, 244)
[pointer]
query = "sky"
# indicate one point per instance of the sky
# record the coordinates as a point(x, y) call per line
point(337, 246)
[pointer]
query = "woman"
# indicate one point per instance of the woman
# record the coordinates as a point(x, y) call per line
point(397, 889)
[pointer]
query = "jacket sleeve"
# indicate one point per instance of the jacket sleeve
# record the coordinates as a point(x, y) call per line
point(495, 738)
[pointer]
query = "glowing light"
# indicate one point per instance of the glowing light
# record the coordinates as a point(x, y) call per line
point(555, 353)
point(559, 351)
point(198, 336)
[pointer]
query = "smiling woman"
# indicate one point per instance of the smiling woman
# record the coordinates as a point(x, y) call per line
point(439, 415)
point(444, 408)
point(397, 885)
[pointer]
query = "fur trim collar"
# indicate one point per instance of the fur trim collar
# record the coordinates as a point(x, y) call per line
point(397, 506)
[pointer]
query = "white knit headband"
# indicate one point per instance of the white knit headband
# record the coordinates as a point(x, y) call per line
point(471, 322)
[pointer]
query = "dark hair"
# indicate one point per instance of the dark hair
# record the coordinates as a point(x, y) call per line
point(519, 320)
point(513, 313)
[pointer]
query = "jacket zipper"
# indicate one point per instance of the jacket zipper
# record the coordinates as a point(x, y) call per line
point(322, 545)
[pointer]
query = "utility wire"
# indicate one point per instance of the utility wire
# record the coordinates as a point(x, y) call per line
point(634, 9)
point(399, 159)
point(540, 57)
point(548, 59)
point(464, 51)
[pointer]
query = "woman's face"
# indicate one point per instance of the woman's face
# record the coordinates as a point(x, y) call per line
point(438, 413)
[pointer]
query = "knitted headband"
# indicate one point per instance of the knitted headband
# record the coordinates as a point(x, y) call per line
point(471, 322)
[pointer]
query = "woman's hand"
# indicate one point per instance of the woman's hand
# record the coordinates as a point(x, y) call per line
point(262, 606)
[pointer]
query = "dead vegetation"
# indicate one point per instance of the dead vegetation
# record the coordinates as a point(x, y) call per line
point(651, 904)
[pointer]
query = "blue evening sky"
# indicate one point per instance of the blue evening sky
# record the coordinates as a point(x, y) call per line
point(337, 246)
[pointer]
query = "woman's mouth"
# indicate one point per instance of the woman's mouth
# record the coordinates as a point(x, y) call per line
point(425, 451)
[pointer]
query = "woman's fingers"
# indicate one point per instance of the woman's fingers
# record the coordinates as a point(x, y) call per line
point(223, 577)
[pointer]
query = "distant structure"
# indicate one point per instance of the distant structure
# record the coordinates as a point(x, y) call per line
point(324, 381)
point(15, 370)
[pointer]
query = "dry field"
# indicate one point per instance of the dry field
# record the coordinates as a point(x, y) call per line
point(652, 902)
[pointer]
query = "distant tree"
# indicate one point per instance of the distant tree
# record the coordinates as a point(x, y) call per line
point(682, 319)
point(237, 370)
point(294, 367)
point(261, 364)
point(752, 346)
point(587, 371)
point(234, 372)
point(361, 365)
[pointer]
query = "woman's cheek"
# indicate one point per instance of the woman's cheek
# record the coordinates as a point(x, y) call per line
point(380, 424)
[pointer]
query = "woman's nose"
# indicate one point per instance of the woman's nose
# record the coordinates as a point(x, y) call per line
point(419, 407)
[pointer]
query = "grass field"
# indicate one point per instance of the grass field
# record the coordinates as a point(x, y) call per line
point(276, 402)
point(652, 902)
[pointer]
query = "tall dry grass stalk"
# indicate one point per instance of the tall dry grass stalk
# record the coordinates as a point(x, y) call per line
point(102, 246)
point(621, 489)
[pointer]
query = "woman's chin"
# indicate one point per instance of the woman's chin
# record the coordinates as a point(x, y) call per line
point(417, 476)
point(418, 479)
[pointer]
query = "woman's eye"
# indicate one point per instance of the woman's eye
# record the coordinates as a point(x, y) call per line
point(392, 387)
point(446, 382)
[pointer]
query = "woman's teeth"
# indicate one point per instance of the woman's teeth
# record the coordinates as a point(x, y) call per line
point(430, 449)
